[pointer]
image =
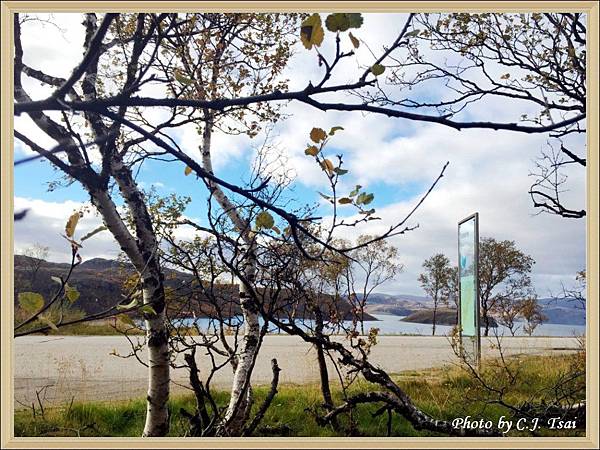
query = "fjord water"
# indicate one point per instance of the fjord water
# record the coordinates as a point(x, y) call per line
point(393, 325)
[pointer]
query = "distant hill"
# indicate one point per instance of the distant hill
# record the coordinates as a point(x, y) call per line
point(559, 311)
point(563, 311)
point(397, 305)
point(444, 316)
point(100, 283)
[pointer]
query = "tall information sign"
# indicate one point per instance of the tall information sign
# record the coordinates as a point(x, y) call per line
point(468, 278)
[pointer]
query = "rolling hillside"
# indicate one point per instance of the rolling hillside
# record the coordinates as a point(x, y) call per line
point(100, 283)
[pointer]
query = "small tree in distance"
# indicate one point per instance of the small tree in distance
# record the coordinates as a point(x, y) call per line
point(453, 293)
point(532, 313)
point(372, 266)
point(503, 272)
point(436, 281)
point(517, 301)
point(36, 255)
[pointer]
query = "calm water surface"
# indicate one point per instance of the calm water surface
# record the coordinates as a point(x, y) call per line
point(389, 324)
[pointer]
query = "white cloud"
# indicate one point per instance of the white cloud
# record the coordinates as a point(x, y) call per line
point(45, 224)
point(225, 148)
point(488, 170)
point(500, 197)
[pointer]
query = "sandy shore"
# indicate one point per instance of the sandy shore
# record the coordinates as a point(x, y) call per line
point(82, 367)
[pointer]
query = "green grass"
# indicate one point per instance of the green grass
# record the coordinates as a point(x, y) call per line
point(93, 329)
point(443, 393)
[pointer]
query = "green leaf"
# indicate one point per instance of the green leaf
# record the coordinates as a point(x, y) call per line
point(45, 319)
point(354, 40)
point(343, 21)
point(334, 129)
point(129, 305)
point(344, 201)
point(311, 32)
point(264, 220)
point(311, 150)
point(355, 19)
point(326, 197)
point(340, 171)
point(337, 22)
point(93, 232)
point(71, 293)
point(364, 199)
point(317, 135)
point(355, 190)
point(148, 309)
point(181, 77)
point(31, 301)
point(72, 224)
point(124, 318)
point(377, 69)
point(413, 33)
point(187, 170)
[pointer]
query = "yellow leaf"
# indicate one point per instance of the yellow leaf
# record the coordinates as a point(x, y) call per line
point(72, 224)
point(328, 166)
point(355, 42)
point(317, 135)
point(311, 150)
point(311, 32)
point(187, 170)
point(71, 293)
point(264, 220)
point(31, 301)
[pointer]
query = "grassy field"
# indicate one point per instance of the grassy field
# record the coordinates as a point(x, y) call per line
point(444, 393)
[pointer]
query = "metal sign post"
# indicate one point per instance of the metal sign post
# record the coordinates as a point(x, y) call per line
point(468, 286)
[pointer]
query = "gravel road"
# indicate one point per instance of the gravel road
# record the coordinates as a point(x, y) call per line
point(83, 367)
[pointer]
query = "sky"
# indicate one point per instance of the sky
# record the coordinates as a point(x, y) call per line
point(396, 160)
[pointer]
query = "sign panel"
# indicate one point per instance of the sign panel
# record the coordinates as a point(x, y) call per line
point(468, 277)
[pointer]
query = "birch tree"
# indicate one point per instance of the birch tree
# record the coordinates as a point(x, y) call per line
point(436, 281)
point(212, 56)
point(503, 273)
point(98, 117)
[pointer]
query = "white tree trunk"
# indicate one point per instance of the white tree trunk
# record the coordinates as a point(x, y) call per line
point(157, 416)
point(157, 413)
point(141, 251)
point(240, 401)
